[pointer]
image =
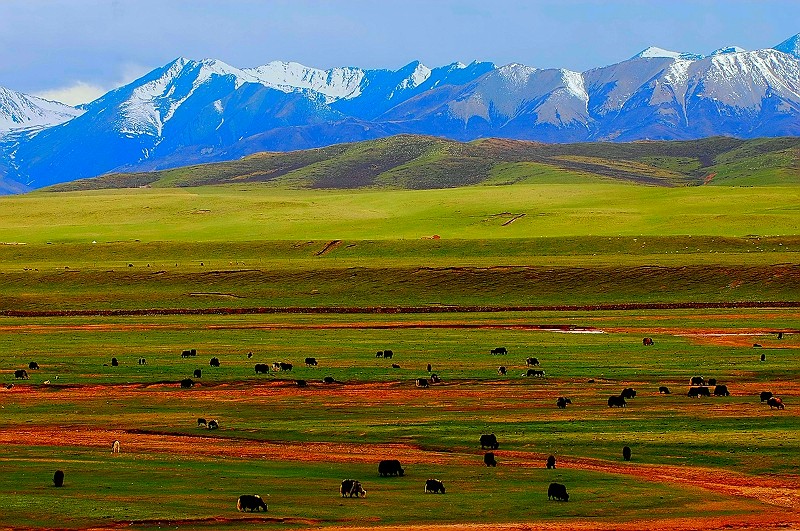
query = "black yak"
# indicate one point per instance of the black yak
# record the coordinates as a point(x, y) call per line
point(557, 491)
point(351, 487)
point(390, 467)
point(775, 402)
point(628, 393)
point(489, 460)
point(616, 401)
point(489, 441)
point(695, 392)
point(434, 486)
point(250, 502)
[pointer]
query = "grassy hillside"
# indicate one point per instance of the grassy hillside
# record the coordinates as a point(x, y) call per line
point(529, 244)
point(419, 162)
point(260, 212)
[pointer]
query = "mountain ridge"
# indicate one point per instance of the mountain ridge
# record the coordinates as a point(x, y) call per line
point(189, 111)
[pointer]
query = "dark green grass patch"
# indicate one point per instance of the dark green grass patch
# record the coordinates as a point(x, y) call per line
point(133, 488)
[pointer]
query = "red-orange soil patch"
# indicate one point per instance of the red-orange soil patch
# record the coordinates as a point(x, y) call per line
point(782, 491)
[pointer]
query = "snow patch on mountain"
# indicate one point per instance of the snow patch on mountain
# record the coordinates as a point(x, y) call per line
point(573, 81)
point(336, 83)
point(420, 74)
point(515, 74)
point(656, 52)
point(20, 111)
point(153, 103)
point(727, 49)
point(743, 80)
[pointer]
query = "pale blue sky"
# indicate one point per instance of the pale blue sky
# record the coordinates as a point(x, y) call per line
point(89, 46)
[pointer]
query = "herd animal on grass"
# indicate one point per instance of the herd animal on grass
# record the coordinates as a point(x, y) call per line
point(250, 502)
point(391, 467)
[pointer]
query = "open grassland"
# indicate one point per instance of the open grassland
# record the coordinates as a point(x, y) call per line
point(731, 461)
point(520, 245)
point(605, 264)
point(259, 212)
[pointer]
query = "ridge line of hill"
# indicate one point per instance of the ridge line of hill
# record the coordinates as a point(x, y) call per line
point(425, 162)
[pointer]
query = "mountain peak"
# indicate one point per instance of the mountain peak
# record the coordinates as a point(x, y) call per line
point(21, 111)
point(190, 111)
point(656, 52)
point(727, 49)
point(790, 46)
point(335, 83)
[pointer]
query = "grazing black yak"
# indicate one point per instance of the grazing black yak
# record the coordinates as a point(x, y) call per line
point(489, 441)
point(351, 487)
point(775, 402)
point(390, 467)
point(616, 401)
point(489, 460)
point(434, 486)
point(557, 491)
point(250, 502)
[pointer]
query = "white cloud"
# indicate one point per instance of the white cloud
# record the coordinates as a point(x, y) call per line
point(83, 92)
point(74, 94)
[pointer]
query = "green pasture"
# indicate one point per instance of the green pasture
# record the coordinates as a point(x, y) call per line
point(153, 490)
point(736, 433)
point(262, 213)
point(553, 239)
point(257, 245)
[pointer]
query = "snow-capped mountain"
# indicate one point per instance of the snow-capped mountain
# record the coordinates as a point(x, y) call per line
point(199, 111)
point(20, 111)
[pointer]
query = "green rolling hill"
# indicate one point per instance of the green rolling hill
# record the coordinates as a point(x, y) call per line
point(422, 162)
